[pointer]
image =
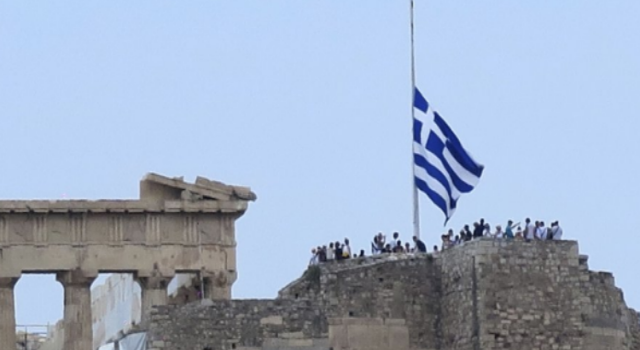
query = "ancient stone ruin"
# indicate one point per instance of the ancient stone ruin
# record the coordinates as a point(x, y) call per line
point(175, 227)
point(483, 295)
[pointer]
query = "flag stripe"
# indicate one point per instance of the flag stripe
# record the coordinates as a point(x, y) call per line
point(435, 198)
point(433, 166)
point(459, 176)
point(443, 169)
point(456, 147)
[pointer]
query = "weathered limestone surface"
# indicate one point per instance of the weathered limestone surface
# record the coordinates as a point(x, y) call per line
point(484, 295)
point(175, 227)
point(7, 313)
point(78, 333)
point(238, 324)
point(153, 292)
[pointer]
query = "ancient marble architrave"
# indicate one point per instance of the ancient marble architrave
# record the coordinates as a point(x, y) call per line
point(174, 227)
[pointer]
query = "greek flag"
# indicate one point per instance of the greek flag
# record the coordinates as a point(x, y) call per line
point(442, 168)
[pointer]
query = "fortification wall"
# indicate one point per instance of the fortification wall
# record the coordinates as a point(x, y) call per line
point(239, 324)
point(529, 295)
point(484, 295)
point(609, 324)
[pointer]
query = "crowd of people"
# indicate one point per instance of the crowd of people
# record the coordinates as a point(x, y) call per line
point(481, 229)
point(333, 251)
point(530, 232)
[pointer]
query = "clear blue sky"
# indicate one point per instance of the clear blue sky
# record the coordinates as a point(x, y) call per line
point(308, 102)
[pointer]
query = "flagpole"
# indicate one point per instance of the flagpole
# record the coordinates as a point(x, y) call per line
point(416, 199)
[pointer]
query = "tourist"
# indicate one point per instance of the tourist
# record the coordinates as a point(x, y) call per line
point(446, 242)
point(346, 249)
point(556, 231)
point(541, 231)
point(407, 248)
point(477, 230)
point(382, 240)
point(519, 234)
point(338, 251)
point(322, 254)
point(314, 257)
point(487, 230)
point(530, 230)
point(376, 248)
point(450, 235)
point(498, 234)
point(508, 232)
point(435, 248)
point(362, 253)
point(396, 240)
point(331, 253)
point(419, 245)
point(467, 233)
point(399, 248)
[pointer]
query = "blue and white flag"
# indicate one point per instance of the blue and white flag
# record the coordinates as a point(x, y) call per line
point(442, 168)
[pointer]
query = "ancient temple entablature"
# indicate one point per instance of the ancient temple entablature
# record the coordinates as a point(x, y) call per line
point(175, 227)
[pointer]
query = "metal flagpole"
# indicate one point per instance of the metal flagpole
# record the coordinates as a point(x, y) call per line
point(416, 199)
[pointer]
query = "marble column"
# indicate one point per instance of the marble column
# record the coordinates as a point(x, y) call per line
point(218, 286)
point(153, 292)
point(7, 313)
point(78, 328)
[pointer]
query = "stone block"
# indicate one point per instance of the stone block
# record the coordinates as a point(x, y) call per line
point(275, 342)
point(363, 321)
point(395, 321)
point(300, 342)
point(321, 342)
point(292, 335)
point(272, 320)
point(338, 337)
point(367, 337)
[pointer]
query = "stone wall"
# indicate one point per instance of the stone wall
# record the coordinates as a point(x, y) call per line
point(485, 294)
point(239, 324)
point(529, 295)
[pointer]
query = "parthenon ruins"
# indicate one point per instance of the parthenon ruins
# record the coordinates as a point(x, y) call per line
point(175, 227)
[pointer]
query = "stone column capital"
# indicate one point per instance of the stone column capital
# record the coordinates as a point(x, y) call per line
point(76, 278)
point(8, 282)
point(154, 282)
point(217, 285)
point(221, 278)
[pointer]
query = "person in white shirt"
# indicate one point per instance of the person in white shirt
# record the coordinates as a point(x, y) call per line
point(529, 230)
point(346, 249)
point(557, 231)
point(314, 257)
point(541, 232)
point(487, 230)
point(498, 234)
point(382, 239)
point(331, 253)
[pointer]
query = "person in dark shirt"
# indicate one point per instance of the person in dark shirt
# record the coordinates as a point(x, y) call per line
point(322, 254)
point(478, 228)
point(338, 248)
point(398, 248)
point(420, 246)
point(467, 233)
